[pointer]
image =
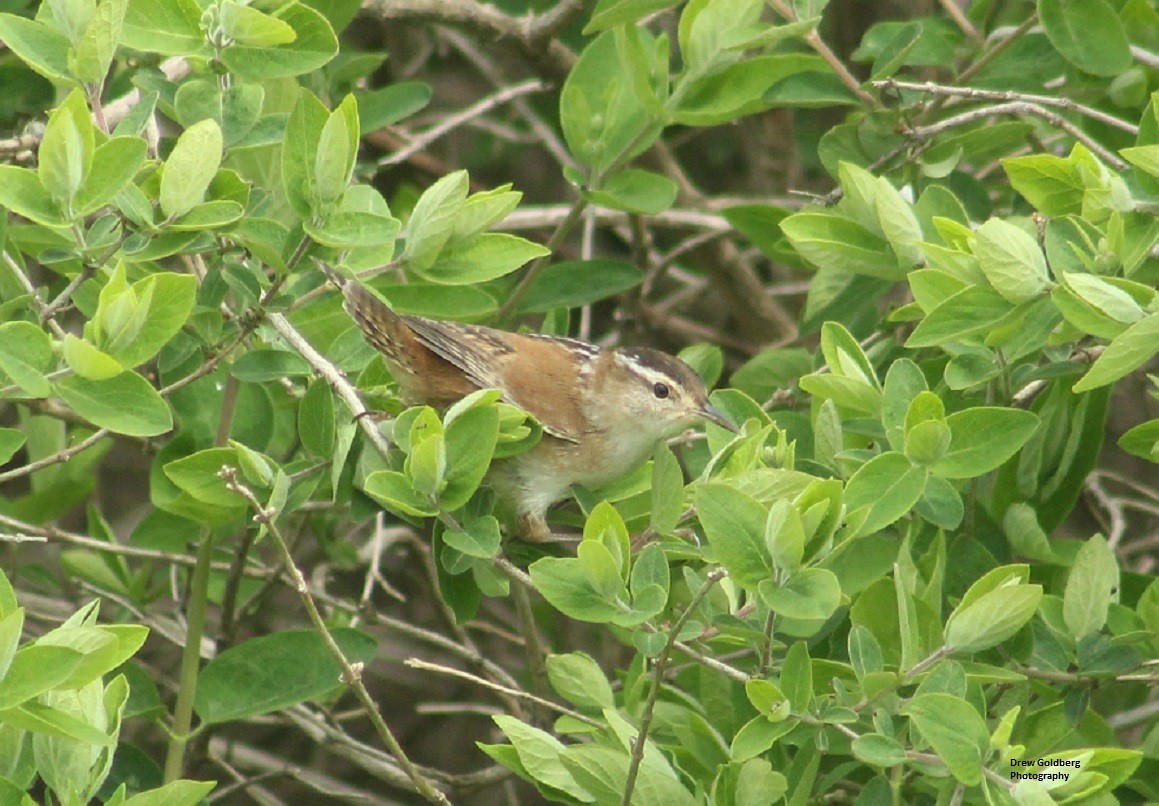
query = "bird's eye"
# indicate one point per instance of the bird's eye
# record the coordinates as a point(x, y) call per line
point(660, 390)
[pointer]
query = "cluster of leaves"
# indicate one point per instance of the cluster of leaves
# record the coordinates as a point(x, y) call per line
point(60, 721)
point(864, 585)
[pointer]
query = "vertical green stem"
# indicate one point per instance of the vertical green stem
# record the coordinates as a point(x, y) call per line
point(195, 616)
point(190, 658)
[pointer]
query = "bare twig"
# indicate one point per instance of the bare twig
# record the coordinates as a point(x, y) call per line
point(452, 122)
point(531, 34)
point(972, 93)
point(334, 377)
point(423, 665)
point(658, 670)
point(351, 672)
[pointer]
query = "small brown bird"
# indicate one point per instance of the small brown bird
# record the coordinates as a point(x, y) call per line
point(602, 410)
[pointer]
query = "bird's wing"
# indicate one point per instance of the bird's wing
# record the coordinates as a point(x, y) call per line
point(523, 368)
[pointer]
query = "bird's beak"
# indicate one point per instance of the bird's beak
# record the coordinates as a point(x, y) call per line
point(715, 415)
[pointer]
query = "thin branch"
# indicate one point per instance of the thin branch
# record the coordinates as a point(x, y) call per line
point(529, 276)
point(334, 377)
point(973, 93)
point(423, 665)
point(955, 13)
point(658, 670)
point(351, 672)
point(814, 40)
point(488, 24)
point(921, 134)
point(41, 309)
point(1007, 40)
point(542, 130)
point(63, 455)
point(452, 122)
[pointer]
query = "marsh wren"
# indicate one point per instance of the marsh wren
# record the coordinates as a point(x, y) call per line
point(602, 410)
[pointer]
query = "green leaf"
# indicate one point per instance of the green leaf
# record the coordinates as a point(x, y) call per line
point(602, 568)
point(739, 89)
point(900, 226)
point(1011, 260)
point(1088, 33)
point(1130, 350)
point(34, 670)
point(667, 491)
point(481, 258)
point(982, 438)
point(172, 28)
point(735, 526)
point(892, 55)
point(844, 356)
point(481, 538)
point(565, 585)
point(889, 485)
point(756, 736)
point(1142, 440)
point(394, 491)
point(1091, 588)
point(114, 165)
point(830, 241)
point(433, 220)
point(66, 152)
point(167, 300)
point(1053, 184)
point(337, 149)
point(955, 731)
point(314, 44)
point(975, 309)
point(316, 419)
point(470, 440)
point(208, 215)
point(104, 648)
point(635, 191)
point(25, 353)
point(878, 750)
point(174, 793)
point(39, 46)
point(346, 229)
point(126, 404)
point(808, 594)
point(767, 697)
point(539, 752)
point(785, 535)
point(579, 680)
point(797, 677)
point(301, 144)
point(864, 651)
point(11, 441)
point(197, 474)
point(93, 54)
point(248, 26)
point(273, 672)
point(190, 168)
point(388, 105)
point(599, 110)
point(22, 193)
point(575, 283)
point(610, 13)
point(1144, 157)
point(269, 364)
point(87, 361)
point(992, 619)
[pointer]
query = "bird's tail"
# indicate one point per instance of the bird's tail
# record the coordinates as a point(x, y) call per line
point(382, 327)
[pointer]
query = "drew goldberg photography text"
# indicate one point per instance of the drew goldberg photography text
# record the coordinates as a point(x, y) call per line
point(1027, 775)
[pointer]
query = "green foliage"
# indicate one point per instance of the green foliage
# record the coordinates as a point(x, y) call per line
point(60, 719)
point(886, 587)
